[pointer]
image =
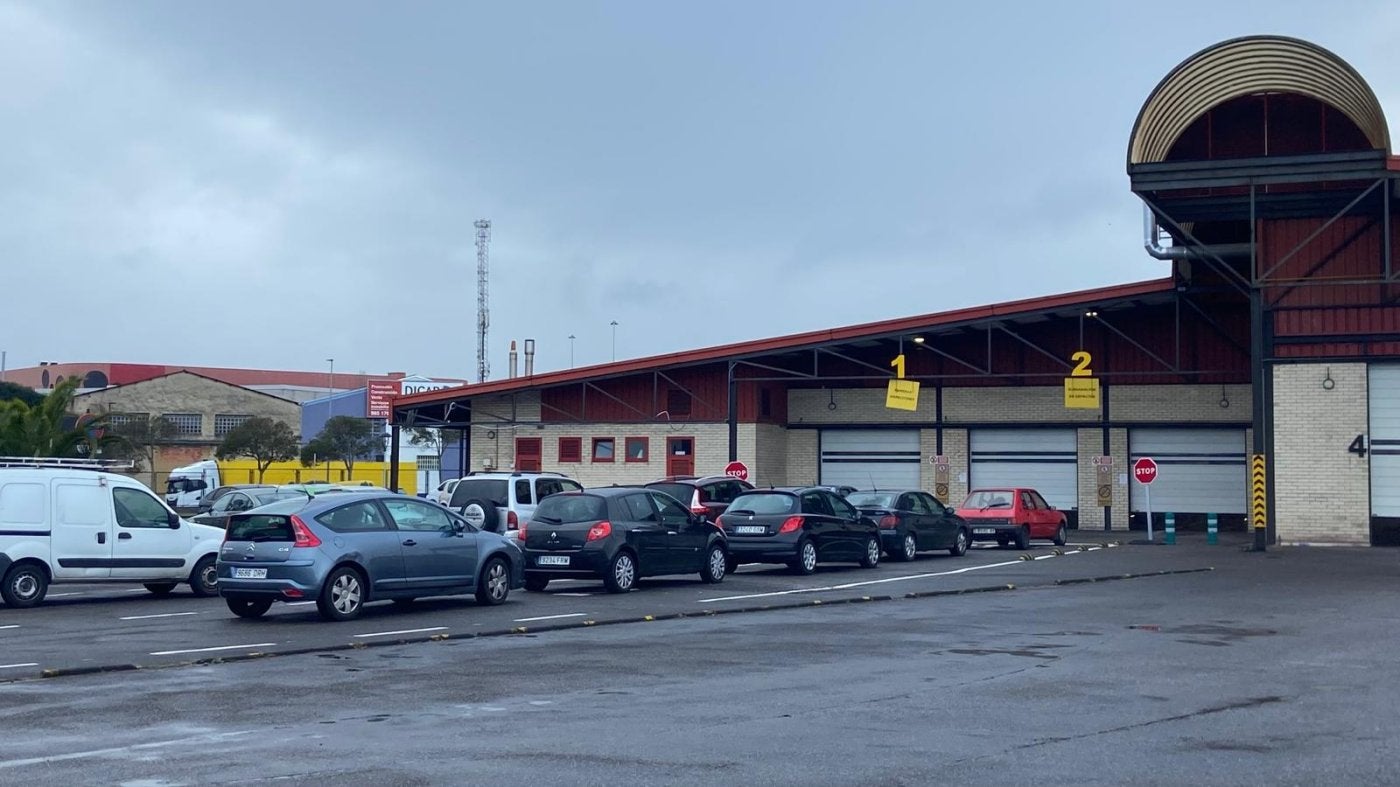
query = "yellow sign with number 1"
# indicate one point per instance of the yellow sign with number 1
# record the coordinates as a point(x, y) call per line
point(902, 394)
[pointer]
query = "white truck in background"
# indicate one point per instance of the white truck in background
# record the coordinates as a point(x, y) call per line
point(190, 483)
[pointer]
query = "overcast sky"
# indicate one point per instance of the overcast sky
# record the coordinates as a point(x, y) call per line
point(272, 184)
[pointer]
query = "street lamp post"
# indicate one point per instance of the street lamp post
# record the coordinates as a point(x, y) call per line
point(614, 339)
point(571, 350)
point(330, 390)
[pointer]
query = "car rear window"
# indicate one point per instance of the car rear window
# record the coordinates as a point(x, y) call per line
point(872, 499)
point(764, 503)
point(681, 492)
point(567, 507)
point(261, 527)
point(493, 490)
point(988, 498)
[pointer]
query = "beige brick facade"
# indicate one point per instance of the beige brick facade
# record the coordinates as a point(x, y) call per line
point(770, 455)
point(802, 456)
point(1321, 492)
point(1090, 445)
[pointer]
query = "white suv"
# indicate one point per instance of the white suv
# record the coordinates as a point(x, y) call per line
point(504, 502)
point(81, 524)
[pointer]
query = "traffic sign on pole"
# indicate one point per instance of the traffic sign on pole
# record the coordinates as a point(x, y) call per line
point(737, 470)
point(1145, 471)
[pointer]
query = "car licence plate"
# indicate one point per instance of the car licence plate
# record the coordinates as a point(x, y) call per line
point(250, 573)
point(552, 560)
point(745, 530)
point(983, 531)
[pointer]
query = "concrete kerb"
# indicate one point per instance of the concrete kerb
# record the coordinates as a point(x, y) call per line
point(66, 672)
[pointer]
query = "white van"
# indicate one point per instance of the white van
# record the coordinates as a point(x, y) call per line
point(83, 523)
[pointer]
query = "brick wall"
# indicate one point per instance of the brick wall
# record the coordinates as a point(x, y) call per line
point(1181, 403)
point(802, 457)
point(854, 406)
point(190, 394)
point(770, 454)
point(711, 447)
point(1321, 492)
point(955, 446)
point(1090, 445)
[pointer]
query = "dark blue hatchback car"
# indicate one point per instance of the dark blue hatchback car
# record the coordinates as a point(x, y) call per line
point(344, 550)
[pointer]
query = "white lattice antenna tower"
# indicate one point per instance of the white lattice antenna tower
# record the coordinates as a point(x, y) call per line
point(483, 297)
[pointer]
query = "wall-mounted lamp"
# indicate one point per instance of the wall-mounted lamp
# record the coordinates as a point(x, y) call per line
point(1327, 382)
point(918, 340)
point(1091, 313)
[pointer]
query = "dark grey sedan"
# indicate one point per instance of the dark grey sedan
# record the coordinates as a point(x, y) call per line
point(240, 500)
point(344, 551)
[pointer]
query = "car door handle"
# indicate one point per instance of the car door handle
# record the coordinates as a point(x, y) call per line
point(101, 538)
point(410, 543)
point(124, 536)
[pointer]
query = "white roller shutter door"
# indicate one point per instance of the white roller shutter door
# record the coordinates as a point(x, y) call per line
point(1385, 440)
point(1045, 460)
point(862, 458)
point(1199, 471)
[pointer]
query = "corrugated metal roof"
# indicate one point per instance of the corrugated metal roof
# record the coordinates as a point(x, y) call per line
point(1008, 310)
point(1247, 66)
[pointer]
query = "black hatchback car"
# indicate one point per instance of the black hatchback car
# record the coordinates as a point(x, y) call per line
point(912, 521)
point(707, 496)
point(799, 526)
point(619, 534)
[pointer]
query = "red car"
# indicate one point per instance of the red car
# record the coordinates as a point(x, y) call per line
point(1012, 515)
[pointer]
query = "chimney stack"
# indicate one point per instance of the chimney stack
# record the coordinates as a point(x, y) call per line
point(514, 359)
point(529, 357)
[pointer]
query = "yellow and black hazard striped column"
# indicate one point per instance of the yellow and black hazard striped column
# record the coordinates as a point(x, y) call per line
point(1258, 499)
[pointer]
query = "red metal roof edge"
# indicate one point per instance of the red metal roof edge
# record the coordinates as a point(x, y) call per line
point(791, 341)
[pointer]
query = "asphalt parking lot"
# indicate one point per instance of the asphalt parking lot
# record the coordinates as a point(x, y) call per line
point(1269, 669)
point(93, 627)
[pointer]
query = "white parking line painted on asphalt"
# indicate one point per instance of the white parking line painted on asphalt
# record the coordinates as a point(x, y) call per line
point(849, 585)
point(212, 650)
point(405, 631)
point(162, 615)
point(11, 626)
point(572, 595)
point(17, 666)
point(551, 617)
point(122, 750)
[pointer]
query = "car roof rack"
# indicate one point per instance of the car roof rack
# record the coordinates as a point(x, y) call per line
point(111, 465)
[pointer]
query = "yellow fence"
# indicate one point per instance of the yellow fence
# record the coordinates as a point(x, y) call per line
point(245, 471)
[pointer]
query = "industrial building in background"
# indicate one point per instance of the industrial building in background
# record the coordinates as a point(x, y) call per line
point(1262, 374)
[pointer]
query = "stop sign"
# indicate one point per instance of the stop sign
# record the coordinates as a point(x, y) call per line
point(737, 470)
point(1145, 470)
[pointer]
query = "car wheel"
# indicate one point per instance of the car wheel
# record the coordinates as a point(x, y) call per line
point(959, 547)
point(715, 565)
point(536, 584)
point(160, 588)
point(909, 549)
point(622, 572)
point(25, 586)
point(245, 608)
point(343, 595)
point(494, 586)
point(1061, 535)
point(1023, 538)
point(482, 514)
point(204, 580)
point(806, 560)
point(872, 553)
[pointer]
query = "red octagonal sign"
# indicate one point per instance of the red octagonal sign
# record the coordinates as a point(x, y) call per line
point(1145, 470)
point(737, 470)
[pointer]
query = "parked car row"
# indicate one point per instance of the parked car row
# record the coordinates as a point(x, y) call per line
point(343, 546)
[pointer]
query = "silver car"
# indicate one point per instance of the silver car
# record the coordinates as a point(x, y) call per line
point(343, 551)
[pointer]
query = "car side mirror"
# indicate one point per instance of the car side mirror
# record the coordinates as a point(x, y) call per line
point(173, 520)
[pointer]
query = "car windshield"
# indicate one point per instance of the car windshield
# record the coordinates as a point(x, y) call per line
point(988, 498)
point(682, 492)
point(764, 503)
point(872, 499)
point(265, 496)
point(493, 490)
point(567, 507)
point(177, 485)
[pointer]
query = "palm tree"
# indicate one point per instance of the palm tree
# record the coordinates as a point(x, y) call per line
point(48, 429)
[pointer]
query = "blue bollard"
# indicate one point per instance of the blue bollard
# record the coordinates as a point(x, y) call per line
point(1211, 528)
point(1171, 529)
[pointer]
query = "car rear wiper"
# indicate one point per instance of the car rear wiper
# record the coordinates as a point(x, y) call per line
point(555, 520)
point(1001, 504)
point(743, 511)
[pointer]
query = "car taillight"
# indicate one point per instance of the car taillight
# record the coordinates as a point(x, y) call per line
point(304, 536)
point(888, 521)
point(791, 524)
point(522, 531)
point(719, 523)
point(600, 531)
point(696, 507)
point(512, 521)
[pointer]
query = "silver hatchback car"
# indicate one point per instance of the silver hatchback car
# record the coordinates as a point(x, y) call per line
point(344, 551)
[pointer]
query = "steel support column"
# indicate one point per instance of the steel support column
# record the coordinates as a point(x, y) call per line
point(394, 458)
point(1108, 450)
point(1257, 367)
point(733, 414)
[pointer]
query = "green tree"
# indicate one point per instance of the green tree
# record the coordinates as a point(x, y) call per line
point(140, 439)
point(24, 394)
point(345, 438)
point(48, 429)
point(264, 440)
point(435, 440)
